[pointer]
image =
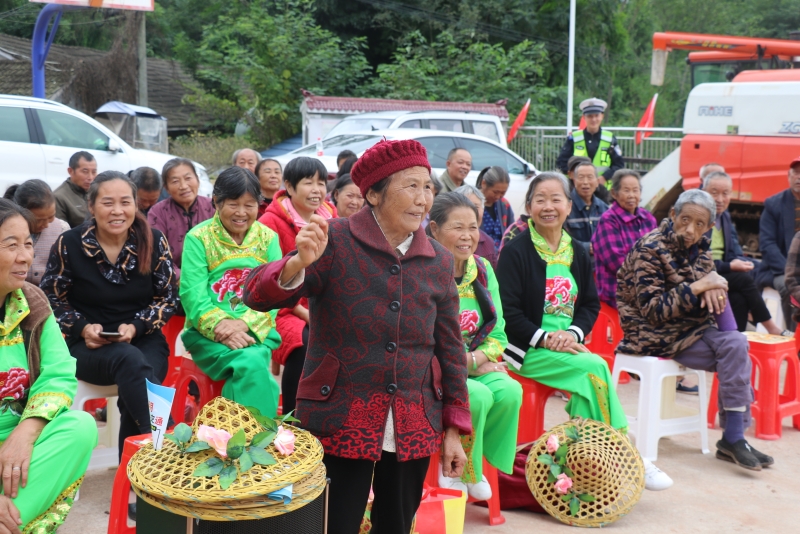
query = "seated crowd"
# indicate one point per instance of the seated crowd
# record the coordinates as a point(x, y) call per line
point(360, 304)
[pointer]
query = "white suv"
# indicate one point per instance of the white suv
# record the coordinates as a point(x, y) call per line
point(481, 124)
point(37, 138)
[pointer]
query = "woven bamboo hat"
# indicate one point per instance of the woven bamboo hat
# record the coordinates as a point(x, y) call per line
point(603, 466)
point(164, 478)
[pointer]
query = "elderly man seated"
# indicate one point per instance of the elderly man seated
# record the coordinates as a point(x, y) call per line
point(666, 293)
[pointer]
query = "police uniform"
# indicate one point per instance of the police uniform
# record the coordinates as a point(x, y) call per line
point(601, 147)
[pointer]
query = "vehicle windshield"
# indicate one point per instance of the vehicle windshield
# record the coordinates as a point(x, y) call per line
point(358, 125)
point(334, 145)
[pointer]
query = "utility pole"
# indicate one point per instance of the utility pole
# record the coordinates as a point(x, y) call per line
point(141, 52)
point(571, 75)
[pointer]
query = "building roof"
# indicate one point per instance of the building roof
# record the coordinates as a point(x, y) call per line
point(167, 82)
point(350, 106)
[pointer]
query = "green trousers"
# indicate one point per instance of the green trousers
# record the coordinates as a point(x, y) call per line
point(60, 457)
point(246, 372)
point(494, 403)
point(584, 376)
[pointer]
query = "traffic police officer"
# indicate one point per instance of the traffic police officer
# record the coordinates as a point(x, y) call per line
point(599, 146)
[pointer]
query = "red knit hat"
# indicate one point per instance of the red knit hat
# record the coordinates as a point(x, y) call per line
point(386, 158)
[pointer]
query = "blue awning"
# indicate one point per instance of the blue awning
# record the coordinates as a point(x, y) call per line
point(284, 147)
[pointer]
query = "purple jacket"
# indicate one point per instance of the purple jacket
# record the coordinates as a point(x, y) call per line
point(175, 222)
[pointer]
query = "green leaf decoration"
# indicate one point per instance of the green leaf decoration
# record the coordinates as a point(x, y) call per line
point(261, 457)
point(172, 438)
point(546, 459)
point(245, 462)
point(234, 302)
point(262, 439)
point(566, 497)
point(572, 433)
point(198, 446)
point(550, 478)
point(585, 497)
point(182, 432)
point(253, 410)
point(574, 506)
point(236, 445)
point(555, 469)
point(561, 453)
point(209, 468)
point(227, 476)
point(266, 422)
point(567, 471)
point(289, 419)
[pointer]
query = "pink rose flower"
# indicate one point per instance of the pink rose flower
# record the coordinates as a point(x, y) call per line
point(469, 321)
point(563, 484)
point(552, 444)
point(14, 383)
point(284, 441)
point(218, 439)
point(232, 281)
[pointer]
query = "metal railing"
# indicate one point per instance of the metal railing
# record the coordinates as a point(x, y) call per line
point(540, 145)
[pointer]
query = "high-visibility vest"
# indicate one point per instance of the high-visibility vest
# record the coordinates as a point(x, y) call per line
point(602, 159)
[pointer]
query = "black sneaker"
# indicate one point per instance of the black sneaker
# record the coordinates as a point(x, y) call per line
point(765, 460)
point(739, 453)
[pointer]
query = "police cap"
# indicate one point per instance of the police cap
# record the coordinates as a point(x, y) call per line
point(593, 105)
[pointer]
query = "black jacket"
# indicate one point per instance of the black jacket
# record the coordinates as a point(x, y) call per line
point(521, 274)
point(776, 230)
point(733, 250)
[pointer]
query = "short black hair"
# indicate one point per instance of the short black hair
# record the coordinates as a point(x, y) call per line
point(146, 179)
point(303, 167)
point(346, 166)
point(345, 154)
point(340, 183)
point(454, 150)
point(75, 159)
point(9, 209)
point(31, 194)
point(235, 182)
point(263, 161)
point(444, 204)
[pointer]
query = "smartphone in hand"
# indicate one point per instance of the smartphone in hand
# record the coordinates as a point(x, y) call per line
point(110, 335)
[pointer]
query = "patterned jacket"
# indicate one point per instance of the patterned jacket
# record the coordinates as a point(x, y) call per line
point(659, 314)
point(384, 333)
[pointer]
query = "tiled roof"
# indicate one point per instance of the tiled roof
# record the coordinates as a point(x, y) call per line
point(166, 80)
point(342, 104)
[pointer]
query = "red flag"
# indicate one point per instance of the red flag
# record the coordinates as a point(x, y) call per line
point(520, 120)
point(582, 124)
point(648, 120)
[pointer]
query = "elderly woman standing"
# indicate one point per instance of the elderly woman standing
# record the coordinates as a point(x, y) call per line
point(228, 340)
point(183, 210)
point(385, 374)
point(37, 197)
point(667, 291)
point(550, 302)
point(498, 215)
point(112, 289)
point(617, 231)
point(45, 446)
point(494, 397)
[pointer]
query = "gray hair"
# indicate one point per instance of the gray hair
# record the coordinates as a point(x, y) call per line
point(236, 155)
point(697, 197)
point(546, 177)
point(470, 190)
point(444, 204)
point(715, 176)
point(704, 169)
point(619, 175)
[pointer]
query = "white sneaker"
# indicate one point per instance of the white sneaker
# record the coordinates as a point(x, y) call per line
point(654, 478)
point(480, 491)
point(452, 483)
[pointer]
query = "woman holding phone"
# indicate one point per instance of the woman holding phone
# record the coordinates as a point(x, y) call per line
point(110, 283)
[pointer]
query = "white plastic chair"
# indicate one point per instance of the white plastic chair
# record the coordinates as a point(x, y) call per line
point(773, 301)
point(658, 415)
point(106, 454)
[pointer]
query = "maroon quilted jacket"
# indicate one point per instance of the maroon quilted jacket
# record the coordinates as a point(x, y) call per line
point(384, 332)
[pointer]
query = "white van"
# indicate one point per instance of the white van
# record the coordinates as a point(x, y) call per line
point(37, 138)
point(481, 124)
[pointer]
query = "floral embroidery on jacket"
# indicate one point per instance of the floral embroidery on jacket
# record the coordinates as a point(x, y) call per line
point(469, 322)
point(13, 390)
point(231, 282)
point(557, 296)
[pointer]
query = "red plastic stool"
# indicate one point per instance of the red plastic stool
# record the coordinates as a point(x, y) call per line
point(531, 414)
point(171, 331)
point(495, 515)
point(189, 372)
point(770, 406)
point(118, 514)
point(606, 335)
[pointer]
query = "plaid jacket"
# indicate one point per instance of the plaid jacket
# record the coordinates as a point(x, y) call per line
point(659, 314)
point(616, 233)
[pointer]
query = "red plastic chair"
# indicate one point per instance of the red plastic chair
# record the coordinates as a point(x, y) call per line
point(495, 515)
point(189, 372)
point(770, 406)
point(531, 414)
point(171, 331)
point(118, 513)
point(606, 335)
